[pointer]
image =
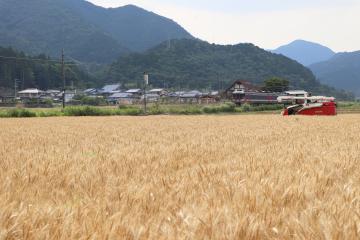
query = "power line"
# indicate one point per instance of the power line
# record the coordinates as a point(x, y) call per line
point(39, 60)
point(74, 61)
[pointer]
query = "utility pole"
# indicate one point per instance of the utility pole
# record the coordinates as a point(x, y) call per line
point(146, 82)
point(63, 77)
point(15, 80)
point(23, 79)
point(15, 87)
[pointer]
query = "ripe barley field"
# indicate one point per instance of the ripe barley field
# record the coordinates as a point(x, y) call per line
point(180, 177)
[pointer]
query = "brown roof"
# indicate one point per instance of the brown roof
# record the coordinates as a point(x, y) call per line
point(248, 85)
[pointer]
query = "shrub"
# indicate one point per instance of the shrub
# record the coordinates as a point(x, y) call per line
point(186, 110)
point(93, 101)
point(228, 107)
point(224, 108)
point(94, 111)
point(89, 100)
point(271, 107)
point(50, 113)
point(209, 109)
point(246, 107)
point(3, 114)
point(87, 111)
point(121, 106)
point(191, 110)
point(128, 111)
point(38, 102)
point(156, 109)
point(18, 113)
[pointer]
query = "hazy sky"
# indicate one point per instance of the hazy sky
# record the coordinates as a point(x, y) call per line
point(266, 23)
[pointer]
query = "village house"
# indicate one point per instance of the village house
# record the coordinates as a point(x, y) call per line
point(90, 91)
point(241, 86)
point(151, 97)
point(211, 97)
point(52, 93)
point(107, 90)
point(191, 97)
point(69, 96)
point(30, 93)
point(137, 92)
point(159, 91)
point(122, 98)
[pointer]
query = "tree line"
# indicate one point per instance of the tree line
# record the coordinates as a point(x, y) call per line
point(38, 72)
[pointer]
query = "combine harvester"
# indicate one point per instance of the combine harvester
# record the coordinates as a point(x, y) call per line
point(303, 104)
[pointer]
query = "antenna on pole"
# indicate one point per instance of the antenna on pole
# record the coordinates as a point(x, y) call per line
point(63, 77)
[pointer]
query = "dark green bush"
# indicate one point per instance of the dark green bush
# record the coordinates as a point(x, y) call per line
point(228, 107)
point(125, 107)
point(210, 109)
point(156, 109)
point(50, 113)
point(89, 100)
point(224, 108)
point(38, 102)
point(128, 111)
point(94, 111)
point(271, 107)
point(17, 113)
point(93, 101)
point(87, 111)
point(185, 110)
point(246, 108)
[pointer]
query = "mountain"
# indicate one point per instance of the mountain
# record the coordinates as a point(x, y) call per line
point(193, 64)
point(136, 28)
point(305, 52)
point(87, 32)
point(37, 71)
point(341, 71)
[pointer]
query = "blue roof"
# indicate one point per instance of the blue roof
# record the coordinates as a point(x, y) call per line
point(110, 88)
point(192, 94)
point(121, 95)
point(90, 90)
point(137, 90)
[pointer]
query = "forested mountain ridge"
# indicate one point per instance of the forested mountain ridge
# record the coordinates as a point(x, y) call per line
point(341, 71)
point(135, 28)
point(87, 32)
point(38, 71)
point(198, 64)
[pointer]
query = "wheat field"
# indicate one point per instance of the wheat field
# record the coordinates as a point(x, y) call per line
point(180, 177)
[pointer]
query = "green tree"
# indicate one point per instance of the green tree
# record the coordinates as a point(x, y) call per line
point(38, 71)
point(276, 84)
